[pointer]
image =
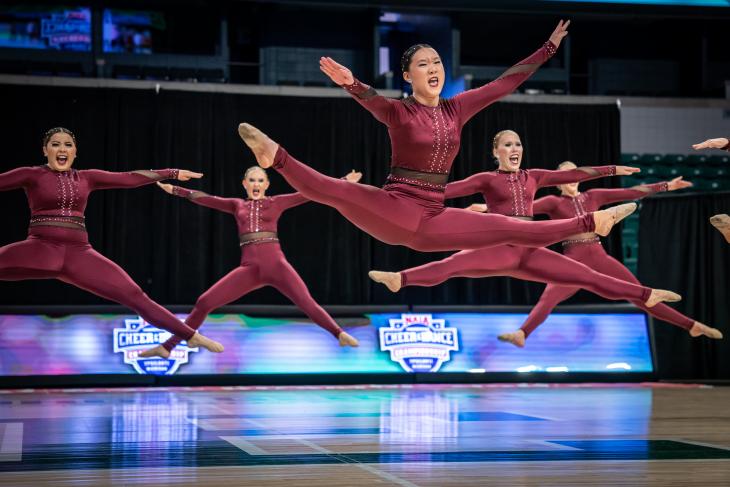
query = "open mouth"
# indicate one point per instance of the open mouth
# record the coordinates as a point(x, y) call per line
point(514, 159)
point(61, 160)
point(256, 192)
point(433, 82)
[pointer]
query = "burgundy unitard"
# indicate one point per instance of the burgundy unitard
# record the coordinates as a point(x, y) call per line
point(262, 261)
point(409, 209)
point(590, 252)
point(512, 193)
point(57, 246)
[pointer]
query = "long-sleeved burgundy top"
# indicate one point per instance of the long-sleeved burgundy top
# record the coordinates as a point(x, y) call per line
point(558, 207)
point(426, 139)
point(513, 193)
point(61, 196)
point(252, 216)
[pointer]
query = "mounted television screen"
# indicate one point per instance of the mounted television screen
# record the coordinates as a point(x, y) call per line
point(132, 31)
point(64, 28)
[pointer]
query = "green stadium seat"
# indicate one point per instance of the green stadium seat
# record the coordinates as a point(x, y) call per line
point(651, 158)
point(632, 264)
point(630, 181)
point(693, 172)
point(696, 160)
point(631, 251)
point(719, 172)
point(675, 159)
point(706, 184)
point(719, 161)
point(669, 172)
point(716, 185)
point(651, 164)
point(629, 159)
point(632, 221)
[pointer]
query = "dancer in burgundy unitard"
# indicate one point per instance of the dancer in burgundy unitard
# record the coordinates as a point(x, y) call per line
point(721, 221)
point(425, 133)
point(262, 261)
point(587, 248)
point(510, 191)
point(58, 247)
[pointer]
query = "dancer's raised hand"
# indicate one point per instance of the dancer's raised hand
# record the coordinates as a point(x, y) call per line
point(678, 183)
point(560, 31)
point(626, 170)
point(478, 207)
point(185, 175)
point(353, 176)
point(339, 74)
point(167, 188)
point(712, 144)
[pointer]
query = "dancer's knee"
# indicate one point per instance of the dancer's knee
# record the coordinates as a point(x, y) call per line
point(205, 302)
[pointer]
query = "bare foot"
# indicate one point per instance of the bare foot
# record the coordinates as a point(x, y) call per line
point(158, 351)
point(516, 338)
point(391, 280)
point(347, 340)
point(260, 144)
point(606, 219)
point(199, 340)
point(661, 295)
point(722, 223)
point(699, 329)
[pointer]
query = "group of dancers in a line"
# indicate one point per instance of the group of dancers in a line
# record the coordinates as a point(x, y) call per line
point(496, 239)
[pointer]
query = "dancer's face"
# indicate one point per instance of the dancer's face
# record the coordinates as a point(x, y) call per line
point(509, 152)
point(256, 183)
point(426, 73)
point(572, 188)
point(60, 152)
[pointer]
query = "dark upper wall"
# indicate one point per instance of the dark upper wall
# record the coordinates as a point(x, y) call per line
point(692, 40)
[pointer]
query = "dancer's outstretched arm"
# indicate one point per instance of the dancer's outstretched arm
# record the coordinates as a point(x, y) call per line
point(615, 195)
point(720, 143)
point(16, 178)
point(545, 205)
point(99, 179)
point(546, 177)
point(226, 205)
point(469, 103)
point(471, 185)
point(386, 110)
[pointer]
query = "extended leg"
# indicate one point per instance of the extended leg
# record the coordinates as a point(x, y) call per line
point(91, 271)
point(239, 282)
point(291, 285)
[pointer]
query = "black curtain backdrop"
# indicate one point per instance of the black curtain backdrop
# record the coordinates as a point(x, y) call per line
point(175, 249)
point(681, 251)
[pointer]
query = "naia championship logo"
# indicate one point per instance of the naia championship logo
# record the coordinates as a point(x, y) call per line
point(138, 335)
point(418, 342)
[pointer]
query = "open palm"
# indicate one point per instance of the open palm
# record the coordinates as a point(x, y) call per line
point(339, 74)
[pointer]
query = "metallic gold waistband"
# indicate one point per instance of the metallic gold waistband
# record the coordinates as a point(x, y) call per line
point(257, 237)
point(426, 177)
point(75, 222)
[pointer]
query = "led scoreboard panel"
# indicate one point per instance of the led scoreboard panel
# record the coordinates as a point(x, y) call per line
point(389, 343)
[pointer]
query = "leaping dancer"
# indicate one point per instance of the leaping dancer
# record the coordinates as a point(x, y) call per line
point(425, 133)
point(262, 261)
point(58, 246)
